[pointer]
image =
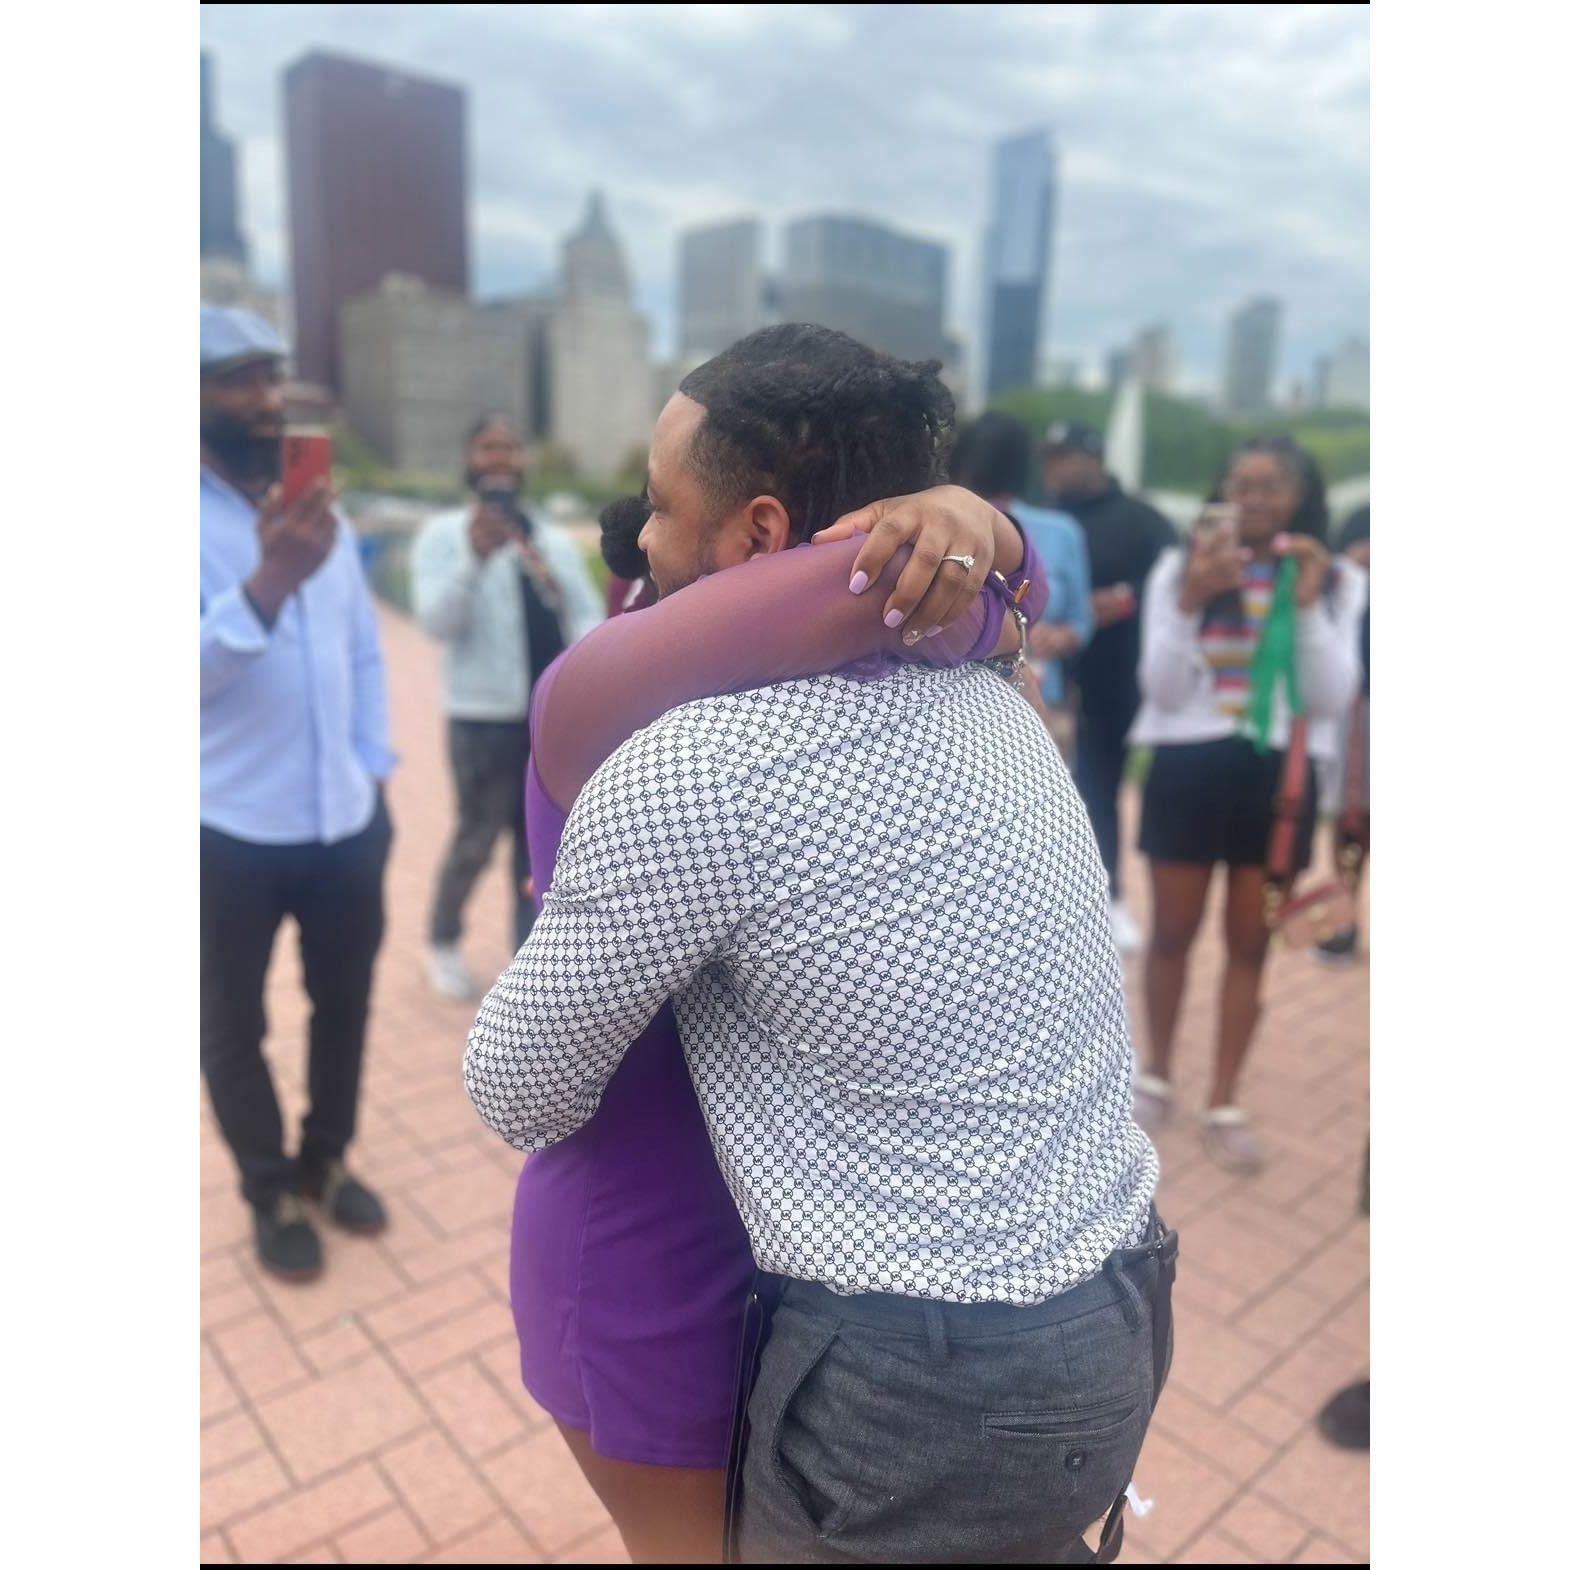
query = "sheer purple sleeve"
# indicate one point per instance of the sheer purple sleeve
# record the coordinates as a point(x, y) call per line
point(1031, 577)
point(777, 618)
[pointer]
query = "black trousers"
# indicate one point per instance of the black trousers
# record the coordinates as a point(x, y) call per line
point(1100, 760)
point(488, 762)
point(334, 892)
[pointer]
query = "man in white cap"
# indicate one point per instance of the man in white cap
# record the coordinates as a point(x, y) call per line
point(294, 752)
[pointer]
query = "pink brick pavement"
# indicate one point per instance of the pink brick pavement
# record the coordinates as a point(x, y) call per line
point(375, 1416)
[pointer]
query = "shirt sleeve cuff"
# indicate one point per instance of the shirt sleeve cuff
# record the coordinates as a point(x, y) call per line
point(1032, 570)
point(235, 624)
point(379, 761)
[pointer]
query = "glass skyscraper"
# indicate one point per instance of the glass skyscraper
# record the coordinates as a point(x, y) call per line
point(1253, 354)
point(722, 286)
point(882, 287)
point(378, 184)
point(1017, 260)
point(221, 235)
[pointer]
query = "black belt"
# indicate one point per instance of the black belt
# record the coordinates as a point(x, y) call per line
point(1161, 1244)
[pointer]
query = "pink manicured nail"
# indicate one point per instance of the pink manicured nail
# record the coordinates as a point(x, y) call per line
point(859, 582)
point(932, 632)
point(894, 618)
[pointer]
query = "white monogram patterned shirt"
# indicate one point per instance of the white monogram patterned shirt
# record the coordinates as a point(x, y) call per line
point(881, 914)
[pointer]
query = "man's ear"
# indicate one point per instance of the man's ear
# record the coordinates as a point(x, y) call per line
point(766, 525)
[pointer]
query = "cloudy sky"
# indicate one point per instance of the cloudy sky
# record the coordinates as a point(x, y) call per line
point(1206, 152)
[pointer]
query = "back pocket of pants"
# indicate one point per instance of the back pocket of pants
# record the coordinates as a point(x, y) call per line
point(1071, 1463)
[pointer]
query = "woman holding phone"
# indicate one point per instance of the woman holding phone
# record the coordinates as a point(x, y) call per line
point(1211, 795)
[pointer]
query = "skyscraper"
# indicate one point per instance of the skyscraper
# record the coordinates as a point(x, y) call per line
point(601, 384)
point(882, 287)
point(1253, 352)
point(378, 184)
point(721, 283)
point(221, 237)
point(1153, 358)
point(1343, 376)
point(1017, 260)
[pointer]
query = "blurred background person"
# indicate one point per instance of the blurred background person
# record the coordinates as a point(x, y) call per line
point(294, 751)
point(505, 593)
point(1341, 947)
point(1123, 536)
point(992, 457)
point(1345, 1418)
point(1211, 794)
point(631, 584)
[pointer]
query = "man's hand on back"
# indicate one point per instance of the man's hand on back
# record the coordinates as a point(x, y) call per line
point(945, 521)
point(296, 539)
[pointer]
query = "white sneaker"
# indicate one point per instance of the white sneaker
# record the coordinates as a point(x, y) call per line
point(1125, 930)
point(448, 974)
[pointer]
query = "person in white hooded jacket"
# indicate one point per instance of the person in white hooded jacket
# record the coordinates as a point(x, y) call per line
point(1210, 798)
point(505, 593)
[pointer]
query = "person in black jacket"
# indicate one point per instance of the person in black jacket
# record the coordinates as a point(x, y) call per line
point(1124, 536)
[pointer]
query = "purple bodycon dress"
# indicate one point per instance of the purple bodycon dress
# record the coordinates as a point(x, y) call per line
point(630, 1266)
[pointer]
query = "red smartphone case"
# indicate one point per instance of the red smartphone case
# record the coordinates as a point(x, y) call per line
point(307, 457)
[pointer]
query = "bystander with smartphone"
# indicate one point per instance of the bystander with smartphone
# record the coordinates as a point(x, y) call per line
point(1250, 661)
point(1124, 536)
point(505, 593)
point(294, 752)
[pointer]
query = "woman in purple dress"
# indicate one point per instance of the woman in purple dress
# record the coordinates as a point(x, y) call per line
point(630, 1266)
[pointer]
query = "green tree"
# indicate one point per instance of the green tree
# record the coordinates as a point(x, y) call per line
point(1186, 444)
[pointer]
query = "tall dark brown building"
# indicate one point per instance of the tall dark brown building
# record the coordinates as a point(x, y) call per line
point(378, 184)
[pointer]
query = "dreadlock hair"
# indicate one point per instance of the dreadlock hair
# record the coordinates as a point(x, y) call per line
point(818, 420)
point(992, 456)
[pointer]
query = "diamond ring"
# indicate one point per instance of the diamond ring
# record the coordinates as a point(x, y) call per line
point(967, 562)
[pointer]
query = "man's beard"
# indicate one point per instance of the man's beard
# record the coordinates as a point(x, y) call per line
point(476, 480)
point(251, 457)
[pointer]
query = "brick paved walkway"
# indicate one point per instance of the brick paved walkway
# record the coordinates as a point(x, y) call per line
point(375, 1416)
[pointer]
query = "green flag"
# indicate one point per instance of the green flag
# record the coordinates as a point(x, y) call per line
point(1275, 659)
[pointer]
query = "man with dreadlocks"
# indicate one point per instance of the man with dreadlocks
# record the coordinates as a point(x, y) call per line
point(874, 902)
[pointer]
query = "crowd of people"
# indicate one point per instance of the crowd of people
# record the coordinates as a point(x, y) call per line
point(838, 1241)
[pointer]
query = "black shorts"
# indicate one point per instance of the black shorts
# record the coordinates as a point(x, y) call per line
point(1210, 801)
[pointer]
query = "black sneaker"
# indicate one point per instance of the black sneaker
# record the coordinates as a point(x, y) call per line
point(1344, 1419)
point(347, 1201)
point(286, 1242)
point(1340, 948)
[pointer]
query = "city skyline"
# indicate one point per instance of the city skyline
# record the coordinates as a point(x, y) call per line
point(678, 120)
